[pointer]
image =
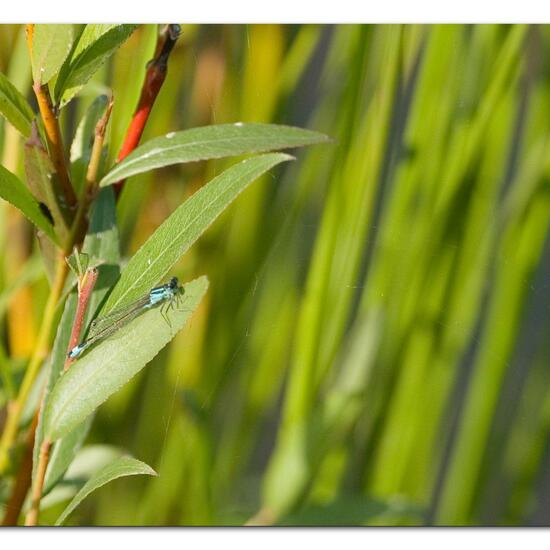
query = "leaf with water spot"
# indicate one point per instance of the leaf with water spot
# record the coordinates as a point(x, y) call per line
point(211, 142)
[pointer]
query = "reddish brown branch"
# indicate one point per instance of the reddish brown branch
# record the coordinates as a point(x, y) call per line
point(84, 294)
point(154, 78)
point(23, 480)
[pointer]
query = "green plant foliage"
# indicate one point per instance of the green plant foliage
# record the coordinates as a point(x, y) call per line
point(121, 467)
point(104, 369)
point(13, 191)
point(372, 348)
point(174, 237)
point(87, 463)
point(94, 46)
point(14, 107)
point(51, 44)
point(210, 142)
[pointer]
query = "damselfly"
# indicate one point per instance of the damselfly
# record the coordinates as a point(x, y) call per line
point(103, 327)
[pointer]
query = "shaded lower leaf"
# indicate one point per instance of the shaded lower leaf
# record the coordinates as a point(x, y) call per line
point(121, 467)
point(109, 365)
point(64, 452)
point(87, 463)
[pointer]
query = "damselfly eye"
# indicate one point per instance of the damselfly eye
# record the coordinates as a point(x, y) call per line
point(174, 282)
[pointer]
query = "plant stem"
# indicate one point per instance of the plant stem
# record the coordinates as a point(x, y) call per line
point(85, 293)
point(90, 186)
point(24, 478)
point(53, 132)
point(32, 516)
point(154, 78)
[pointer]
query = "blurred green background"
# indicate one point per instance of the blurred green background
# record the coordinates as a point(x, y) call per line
point(373, 347)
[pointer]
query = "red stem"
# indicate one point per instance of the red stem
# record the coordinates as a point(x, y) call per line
point(154, 79)
point(84, 295)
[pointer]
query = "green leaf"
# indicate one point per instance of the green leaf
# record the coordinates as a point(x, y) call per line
point(174, 237)
point(51, 44)
point(88, 461)
point(211, 142)
point(121, 467)
point(13, 191)
point(94, 46)
point(109, 365)
point(14, 107)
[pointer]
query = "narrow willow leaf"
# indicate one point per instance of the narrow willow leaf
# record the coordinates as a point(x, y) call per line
point(88, 462)
point(121, 467)
point(94, 46)
point(211, 142)
point(109, 365)
point(13, 191)
point(174, 237)
point(51, 44)
point(102, 245)
point(14, 107)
